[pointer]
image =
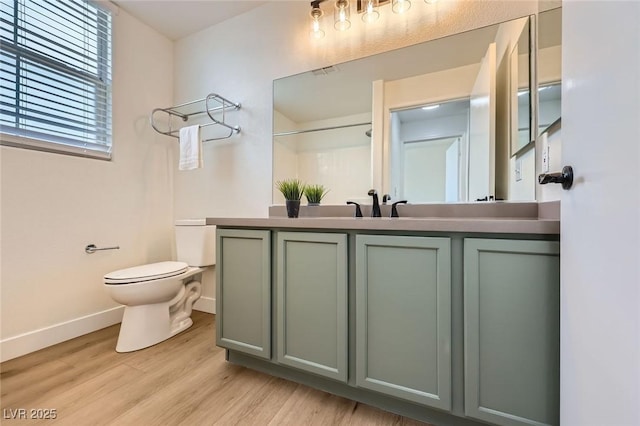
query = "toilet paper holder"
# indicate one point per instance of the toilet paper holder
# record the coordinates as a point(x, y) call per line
point(91, 248)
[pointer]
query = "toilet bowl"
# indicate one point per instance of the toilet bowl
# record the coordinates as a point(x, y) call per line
point(158, 298)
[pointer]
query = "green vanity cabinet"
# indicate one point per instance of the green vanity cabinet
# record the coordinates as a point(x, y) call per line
point(243, 291)
point(311, 302)
point(403, 317)
point(445, 327)
point(511, 331)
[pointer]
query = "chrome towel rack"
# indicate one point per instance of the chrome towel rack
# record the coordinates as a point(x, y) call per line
point(210, 105)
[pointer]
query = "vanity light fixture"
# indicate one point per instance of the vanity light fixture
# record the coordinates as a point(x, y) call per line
point(316, 15)
point(369, 9)
point(400, 6)
point(341, 15)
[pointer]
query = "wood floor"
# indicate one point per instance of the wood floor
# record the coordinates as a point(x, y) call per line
point(182, 381)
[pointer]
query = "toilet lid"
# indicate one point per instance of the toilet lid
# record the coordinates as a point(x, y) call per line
point(152, 271)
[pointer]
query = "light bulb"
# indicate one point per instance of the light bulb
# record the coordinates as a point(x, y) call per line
point(316, 30)
point(401, 6)
point(341, 15)
point(370, 11)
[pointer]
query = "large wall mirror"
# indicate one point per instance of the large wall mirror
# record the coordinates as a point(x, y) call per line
point(433, 122)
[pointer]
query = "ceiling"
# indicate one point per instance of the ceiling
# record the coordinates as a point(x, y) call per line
point(179, 18)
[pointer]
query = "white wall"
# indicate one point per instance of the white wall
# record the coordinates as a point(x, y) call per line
point(525, 188)
point(600, 236)
point(552, 192)
point(54, 205)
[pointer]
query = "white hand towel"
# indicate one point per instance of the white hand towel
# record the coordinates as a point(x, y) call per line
point(190, 148)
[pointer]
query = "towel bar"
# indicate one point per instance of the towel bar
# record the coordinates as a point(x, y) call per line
point(210, 105)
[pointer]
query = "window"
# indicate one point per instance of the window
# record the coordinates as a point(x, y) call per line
point(55, 76)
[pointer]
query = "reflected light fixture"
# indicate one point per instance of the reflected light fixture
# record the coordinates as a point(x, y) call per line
point(370, 11)
point(316, 16)
point(400, 6)
point(341, 15)
point(430, 107)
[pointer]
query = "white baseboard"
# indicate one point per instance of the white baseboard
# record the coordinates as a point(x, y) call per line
point(205, 304)
point(32, 341)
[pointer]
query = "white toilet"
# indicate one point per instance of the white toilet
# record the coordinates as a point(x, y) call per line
point(159, 297)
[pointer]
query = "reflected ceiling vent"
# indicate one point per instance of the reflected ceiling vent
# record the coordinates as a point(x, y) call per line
point(325, 70)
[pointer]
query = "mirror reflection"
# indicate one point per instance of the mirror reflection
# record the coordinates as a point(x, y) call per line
point(528, 163)
point(521, 105)
point(429, 152)
point(429, 123)
point(549, 67)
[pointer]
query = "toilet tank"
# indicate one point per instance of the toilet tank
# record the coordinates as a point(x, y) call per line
point(195, 242)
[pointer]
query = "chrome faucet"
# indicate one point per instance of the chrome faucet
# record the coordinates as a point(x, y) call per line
point(375, 210)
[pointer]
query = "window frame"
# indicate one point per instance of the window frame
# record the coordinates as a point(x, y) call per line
point(101, 80)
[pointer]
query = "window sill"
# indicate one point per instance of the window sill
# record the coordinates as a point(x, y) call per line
point(52, 147)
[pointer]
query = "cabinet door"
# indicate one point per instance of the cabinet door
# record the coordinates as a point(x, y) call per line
point(243, 291)
point(403, 317)
point(312, 302)
point(512, 326)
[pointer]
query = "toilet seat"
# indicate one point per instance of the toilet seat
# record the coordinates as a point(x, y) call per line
point(152, 271)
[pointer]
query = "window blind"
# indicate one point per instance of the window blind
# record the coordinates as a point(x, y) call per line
point(55, 76)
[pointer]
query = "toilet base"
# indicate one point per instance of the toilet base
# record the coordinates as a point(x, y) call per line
point(143, 326)
point(181, 326)
point(147, 325)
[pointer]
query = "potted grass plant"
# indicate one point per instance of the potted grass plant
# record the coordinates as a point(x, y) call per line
point(315, 194)
point(292, 190)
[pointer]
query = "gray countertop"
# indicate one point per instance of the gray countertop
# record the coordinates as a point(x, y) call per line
point(472, 225)
point(516, 218)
